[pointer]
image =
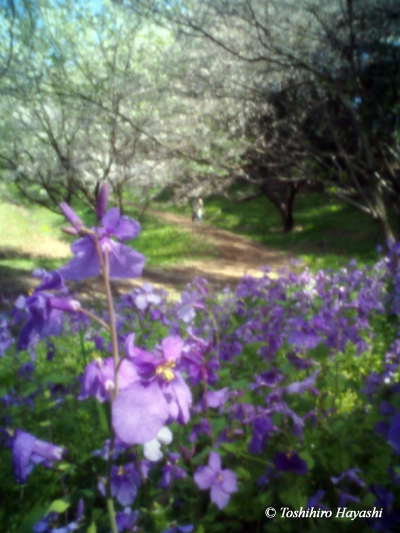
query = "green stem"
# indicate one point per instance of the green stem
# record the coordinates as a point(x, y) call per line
point(111, 514)
point(251, 458)
point(105, 271)
point(113, 330)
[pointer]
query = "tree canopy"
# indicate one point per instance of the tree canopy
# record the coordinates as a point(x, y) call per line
point(200, 94)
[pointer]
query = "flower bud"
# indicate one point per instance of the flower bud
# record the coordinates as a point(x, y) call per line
point(71, 216)
point(65, 305)
point(69, 230)
point(102, 199)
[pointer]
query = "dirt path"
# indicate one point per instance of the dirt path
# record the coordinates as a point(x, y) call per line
point(235, 256)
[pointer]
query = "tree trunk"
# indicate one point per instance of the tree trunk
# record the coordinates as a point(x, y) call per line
point(284, 202)
point(383, 220)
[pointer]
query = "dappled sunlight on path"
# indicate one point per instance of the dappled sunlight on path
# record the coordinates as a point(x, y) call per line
point(235, 256)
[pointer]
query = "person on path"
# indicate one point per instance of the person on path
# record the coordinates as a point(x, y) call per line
point(198, 210)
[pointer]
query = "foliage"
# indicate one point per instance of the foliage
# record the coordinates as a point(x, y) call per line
point(311, 86)
point(82, 99)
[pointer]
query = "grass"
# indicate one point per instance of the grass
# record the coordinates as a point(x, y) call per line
point(32, 238)
point(166, 244)
point(327, 232)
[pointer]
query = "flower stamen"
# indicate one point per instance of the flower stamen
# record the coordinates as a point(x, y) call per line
point(165, 371)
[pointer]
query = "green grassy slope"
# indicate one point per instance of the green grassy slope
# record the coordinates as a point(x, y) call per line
point(327, 232)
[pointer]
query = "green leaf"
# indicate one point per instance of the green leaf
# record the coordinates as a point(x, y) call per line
point(230, 447)
point(30, 389)
point(102, 418)
point(32, 518)
point(59, 379)
point(58, 506)
point(240, 384)
point(243, 473)
point(92, 528)
point(308, 459)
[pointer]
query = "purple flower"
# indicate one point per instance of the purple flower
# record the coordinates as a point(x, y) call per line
point(27, 451)
point(102, 200)
point(125, 481)
point(45, 309)
point(221, 482)
point(118, 448)
point(124, 262)
point(262, 429)
point(290, 462)
point(385, 500)
point(217, 398)
point(5, 336)
point(98, 378)
point(45, 524)
point(159, 371)
point(171, 471)
point(43, 320)
point(139, 412)
point(393, 435)
point(345, 498)
point(303, 336)
point(299, 387)
point(202, 427)
point(185, 309)
point(179, 529)
point(349, 475)
point(315, 500)
point(145, 297)
point(126, 519)
point(264, 479)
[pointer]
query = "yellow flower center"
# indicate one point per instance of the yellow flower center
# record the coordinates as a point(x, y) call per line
point(165, 371)
point(121, 471)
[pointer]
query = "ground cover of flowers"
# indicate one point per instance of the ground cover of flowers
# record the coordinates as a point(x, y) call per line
point(198, 415)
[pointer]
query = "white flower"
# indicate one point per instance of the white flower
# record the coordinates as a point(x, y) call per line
point(152, 449)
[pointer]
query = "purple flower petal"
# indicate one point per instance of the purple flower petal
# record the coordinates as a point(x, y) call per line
point(85, 264)
point(172, 347)
point(125, 262)
point(124, 228)
point(215, 461)
point(219, 497)
point(393, 436)
point(205, 477)
point(110, 219)
point(228, 481)
point(27, 451)
point(139, 412)
point(290, 462)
